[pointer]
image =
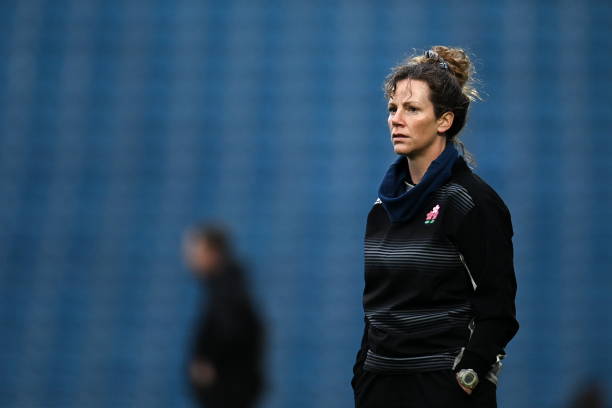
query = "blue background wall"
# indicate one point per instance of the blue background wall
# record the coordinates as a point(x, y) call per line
point(121, 123)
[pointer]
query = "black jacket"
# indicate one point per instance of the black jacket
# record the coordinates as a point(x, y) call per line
point(431, 279)
point(230, 335)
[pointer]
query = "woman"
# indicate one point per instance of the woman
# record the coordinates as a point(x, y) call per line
point(439, 277)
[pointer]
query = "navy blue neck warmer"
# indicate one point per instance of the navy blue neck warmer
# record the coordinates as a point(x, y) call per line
point(401, 205)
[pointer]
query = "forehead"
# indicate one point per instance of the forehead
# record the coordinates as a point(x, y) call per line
point(410, 90)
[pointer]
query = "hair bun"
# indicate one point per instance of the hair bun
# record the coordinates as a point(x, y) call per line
point(459, 64)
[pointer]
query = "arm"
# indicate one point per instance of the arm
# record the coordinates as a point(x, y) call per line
point(484, 237)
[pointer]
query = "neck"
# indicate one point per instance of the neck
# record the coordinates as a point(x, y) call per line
point(418, 163)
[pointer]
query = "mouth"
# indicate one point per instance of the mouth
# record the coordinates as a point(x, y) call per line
point(398, 136)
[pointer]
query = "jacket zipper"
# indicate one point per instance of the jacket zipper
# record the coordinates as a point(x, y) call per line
point(468, 270)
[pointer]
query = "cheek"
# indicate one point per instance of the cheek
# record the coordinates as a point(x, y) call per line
point(423, 125)
point(417, 124)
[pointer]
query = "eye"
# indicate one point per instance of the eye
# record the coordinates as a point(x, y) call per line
point(412, 109)
point(392, 109)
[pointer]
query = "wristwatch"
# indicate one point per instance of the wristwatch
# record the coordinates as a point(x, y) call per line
point(468, 378)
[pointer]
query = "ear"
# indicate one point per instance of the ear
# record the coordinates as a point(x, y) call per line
point(445, 121)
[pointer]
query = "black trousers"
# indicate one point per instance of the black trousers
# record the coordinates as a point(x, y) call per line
point(433, 389)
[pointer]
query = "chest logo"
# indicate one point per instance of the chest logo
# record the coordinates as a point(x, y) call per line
point(432, 215)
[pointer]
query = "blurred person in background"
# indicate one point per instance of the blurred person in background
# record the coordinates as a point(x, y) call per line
point(440, 287)
point(589, 394)
point(225, 367)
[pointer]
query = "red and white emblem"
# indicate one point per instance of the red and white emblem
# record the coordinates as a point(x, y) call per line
point(432, 215)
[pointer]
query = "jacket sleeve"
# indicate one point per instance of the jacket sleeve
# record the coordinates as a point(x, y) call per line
point(484, 238)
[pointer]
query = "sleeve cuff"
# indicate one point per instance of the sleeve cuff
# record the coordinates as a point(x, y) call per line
point(475, 362)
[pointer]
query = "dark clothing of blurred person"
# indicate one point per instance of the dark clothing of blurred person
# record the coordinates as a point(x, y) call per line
point(589, 395)
point(226, 356)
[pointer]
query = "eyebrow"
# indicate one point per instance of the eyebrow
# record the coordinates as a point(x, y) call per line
point(404, 103)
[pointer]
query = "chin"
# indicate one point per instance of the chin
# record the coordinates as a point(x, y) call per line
point(402, 149)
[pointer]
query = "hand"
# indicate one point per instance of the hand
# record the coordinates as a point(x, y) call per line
point(467, 390)
point(202, 372)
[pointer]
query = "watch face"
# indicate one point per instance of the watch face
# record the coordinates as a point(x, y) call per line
point(468, 378)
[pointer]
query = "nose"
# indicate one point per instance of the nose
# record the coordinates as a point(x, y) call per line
point(395, 119)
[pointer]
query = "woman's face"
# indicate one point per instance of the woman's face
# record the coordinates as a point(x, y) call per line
point(412, 122)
